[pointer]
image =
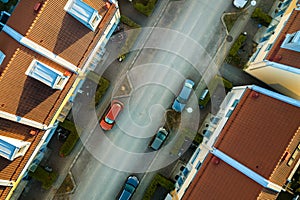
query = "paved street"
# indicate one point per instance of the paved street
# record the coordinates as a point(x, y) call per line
point(156, 77)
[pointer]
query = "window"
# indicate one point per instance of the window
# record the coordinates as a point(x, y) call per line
point(294, 155)
point(269, 47)
point(255, 55)
point(235, 103)
point(228, 114)
point(195, 156)
point(198, 165)
point(2, 56)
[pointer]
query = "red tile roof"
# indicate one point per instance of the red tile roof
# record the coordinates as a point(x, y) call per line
point(24, 96)
point(257, 134)
point(10, 170)
point(221, 181)
point(286, 56)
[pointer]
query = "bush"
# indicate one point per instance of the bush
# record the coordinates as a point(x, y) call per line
point(158, 180)
point(129, 22)
point(72, 139)
point(103, 85)
point(261, 17)
point(237, 45)
point(46, 178)
point(145, 9)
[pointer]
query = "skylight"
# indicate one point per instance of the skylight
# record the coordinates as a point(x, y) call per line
point(11, 148)
point(83, 13)
point(292, 41)
point(47, 75)
point(2, 56)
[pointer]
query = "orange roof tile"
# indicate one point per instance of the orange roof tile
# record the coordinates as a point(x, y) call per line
point(253, 130)
point(221, 182)
point(286, 56)
point(24, 96)
point(258, 133)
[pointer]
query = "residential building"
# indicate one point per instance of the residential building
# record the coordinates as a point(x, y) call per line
point(277, 57)
point(46, 49)
point(250, 148)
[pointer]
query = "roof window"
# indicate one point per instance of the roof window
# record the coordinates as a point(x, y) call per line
point(292, 41)
point(11, 148)
point(2, 56)
point(47, 75)
point(83, 13)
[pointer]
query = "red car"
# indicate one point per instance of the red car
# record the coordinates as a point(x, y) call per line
point(108, 121)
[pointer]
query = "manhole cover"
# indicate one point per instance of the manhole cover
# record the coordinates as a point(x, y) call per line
point(229, 38)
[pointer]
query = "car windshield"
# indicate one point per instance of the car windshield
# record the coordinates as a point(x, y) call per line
point(161, 136)
point(129, 188)
point(181, 100)
point(109, 121)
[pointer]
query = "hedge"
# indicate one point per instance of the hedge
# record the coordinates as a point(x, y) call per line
point(103, 85)
point(46, 178)
point(145, 9)
point(158, 180)
point(261, 17)
point(129, 22)
point(237, 45)
point(72, 139)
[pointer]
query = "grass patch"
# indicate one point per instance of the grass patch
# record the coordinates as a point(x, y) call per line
point(129, 22)
point(261, 17)
point(102, 86)
point(145, 8)
point(230, 19)
point(72, 139)
point(46, 178)
point(66, 186)
point(7, 6)
point(156, 181)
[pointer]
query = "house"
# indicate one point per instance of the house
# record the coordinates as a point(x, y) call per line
point(251, 151)
point(46, 49)
point(277, 57)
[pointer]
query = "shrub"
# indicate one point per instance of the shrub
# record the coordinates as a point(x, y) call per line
point(129, 22)
point(145, 9)
point(103, 85)
point(237, 45)
point(46, 178)
point(72, 139)
point(158, 180)
point(261, 17)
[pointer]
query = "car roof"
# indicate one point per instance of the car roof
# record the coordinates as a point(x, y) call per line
point(114, 110)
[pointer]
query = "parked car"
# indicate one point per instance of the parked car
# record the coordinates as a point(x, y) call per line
point(240, 3)
point(181, 100)
point(130, 186)
point(159, 139)
point(108, 121)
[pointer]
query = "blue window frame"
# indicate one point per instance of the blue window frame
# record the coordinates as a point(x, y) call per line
point(198, 165)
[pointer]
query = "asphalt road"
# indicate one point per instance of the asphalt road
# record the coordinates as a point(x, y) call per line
point(156, 77)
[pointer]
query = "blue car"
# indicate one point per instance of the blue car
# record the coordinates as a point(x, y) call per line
point(130, 186)
point(181, 100)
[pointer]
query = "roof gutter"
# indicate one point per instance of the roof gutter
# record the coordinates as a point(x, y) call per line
point(39, 49)
point(25, 121)
point(246, 171)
